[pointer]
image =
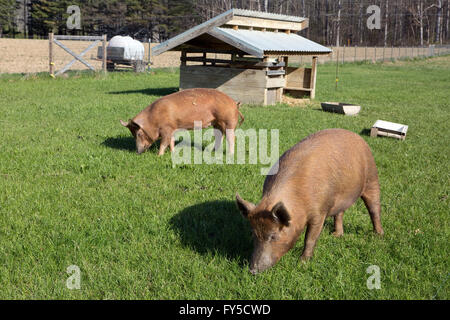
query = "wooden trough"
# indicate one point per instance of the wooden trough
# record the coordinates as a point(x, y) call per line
point(342, 108)
point(245, 54)
point(389, 129)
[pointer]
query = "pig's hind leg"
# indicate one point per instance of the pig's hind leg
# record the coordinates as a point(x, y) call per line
point(371, 198)
point(172, 143)
point(230, 139)
point(218, 135)
point(339, 224)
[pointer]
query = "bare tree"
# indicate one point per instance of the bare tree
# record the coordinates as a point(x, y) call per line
point(338, 28)
point(437, 33)
point(386, 23)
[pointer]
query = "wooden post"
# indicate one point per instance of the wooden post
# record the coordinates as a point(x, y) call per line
point(50, 55)
point(104, 56)
point(183, 57)
point(265, 59)
point(149, 53)
point(343, 54)
point(337, 69)
point(375, 54)
point(313, 76)
point(204, 58)
point(365, 53)
point(354, 58)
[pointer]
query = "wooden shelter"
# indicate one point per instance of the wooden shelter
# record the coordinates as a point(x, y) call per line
point(245, 54)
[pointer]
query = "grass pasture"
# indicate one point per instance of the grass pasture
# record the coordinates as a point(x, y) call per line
point(73, 192)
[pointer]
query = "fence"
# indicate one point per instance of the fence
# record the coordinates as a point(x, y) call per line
point(374, 54)
point(30, 56)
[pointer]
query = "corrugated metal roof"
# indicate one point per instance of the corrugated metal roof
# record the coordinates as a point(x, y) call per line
point(251, 41)
point(265, 42)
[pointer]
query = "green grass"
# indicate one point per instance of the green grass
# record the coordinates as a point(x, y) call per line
point(73, 192)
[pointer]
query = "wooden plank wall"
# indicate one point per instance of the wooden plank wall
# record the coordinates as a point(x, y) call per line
point(244, 85)
point(298, 77)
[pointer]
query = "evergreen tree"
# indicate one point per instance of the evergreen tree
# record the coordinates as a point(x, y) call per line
point(7, 8)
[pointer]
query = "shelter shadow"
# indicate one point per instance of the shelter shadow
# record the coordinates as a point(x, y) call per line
point(365, 132)
point(215, 227)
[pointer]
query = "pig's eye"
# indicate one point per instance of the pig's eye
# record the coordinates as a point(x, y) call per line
point(273, 237)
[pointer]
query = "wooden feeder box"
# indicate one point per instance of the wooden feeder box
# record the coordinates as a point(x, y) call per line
point(342, 108)
point(389, 129)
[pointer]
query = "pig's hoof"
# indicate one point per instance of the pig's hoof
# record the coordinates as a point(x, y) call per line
point(304, 258)
point(338, 234)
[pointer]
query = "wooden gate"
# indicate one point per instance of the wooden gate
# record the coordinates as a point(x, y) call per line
point(54, 39)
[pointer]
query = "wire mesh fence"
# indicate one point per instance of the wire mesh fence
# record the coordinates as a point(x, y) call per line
point(377, 54)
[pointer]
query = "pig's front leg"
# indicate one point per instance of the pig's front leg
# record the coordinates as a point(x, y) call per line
point(312, 234)
point(166, 140)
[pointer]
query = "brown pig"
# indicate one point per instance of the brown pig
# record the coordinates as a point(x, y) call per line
point(179, 111)
point(319, 177)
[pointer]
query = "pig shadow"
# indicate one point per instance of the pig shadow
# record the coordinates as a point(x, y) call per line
point(215, 227)
point(149, 91)
point(126, 143)
point(129, 144)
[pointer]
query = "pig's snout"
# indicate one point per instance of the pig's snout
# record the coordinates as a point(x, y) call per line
point(258, 268)
point(254, 271)
point(261, 260)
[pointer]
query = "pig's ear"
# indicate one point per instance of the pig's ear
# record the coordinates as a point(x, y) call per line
point(281, 215)
point(125, 124)
point(244, 206)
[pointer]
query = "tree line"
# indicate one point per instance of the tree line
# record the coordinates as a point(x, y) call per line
point(332, 22)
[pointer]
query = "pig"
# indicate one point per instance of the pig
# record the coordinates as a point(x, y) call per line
point(180, 110)
point(319, 177)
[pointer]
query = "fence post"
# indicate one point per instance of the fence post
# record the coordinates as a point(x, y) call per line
point(365, 53)
point(375, 54)
point(104, 53)
point(383, 52)
point(50, 55)
point(354, 58)
point(392, 52)
point(343, 54)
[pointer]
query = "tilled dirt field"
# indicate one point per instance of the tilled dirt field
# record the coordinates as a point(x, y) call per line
point(31, 56)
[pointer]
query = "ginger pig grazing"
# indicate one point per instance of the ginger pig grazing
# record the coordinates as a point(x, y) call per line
point(319, 177)
point(181, 110)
